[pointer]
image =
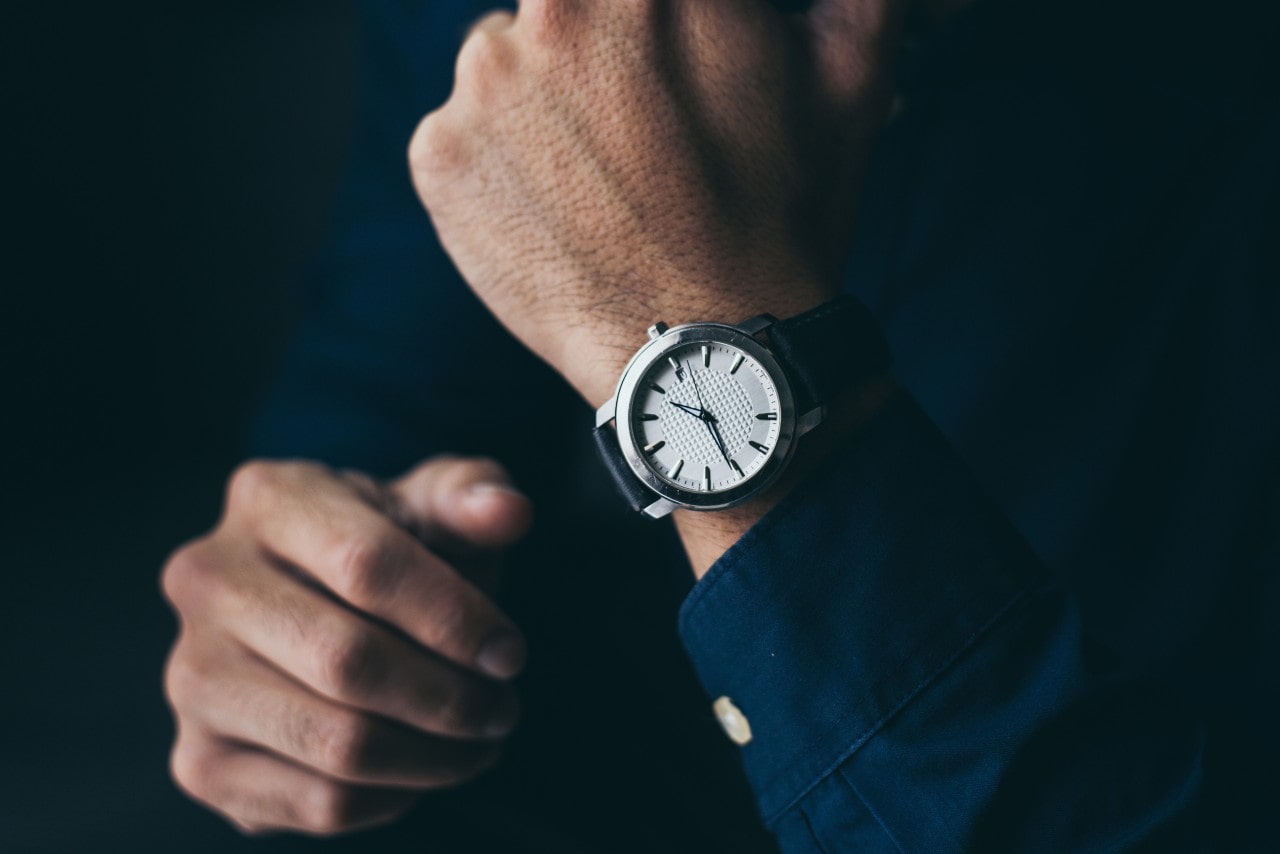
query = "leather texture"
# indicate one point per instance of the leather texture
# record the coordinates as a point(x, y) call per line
point(637, 495)
point(829, 349)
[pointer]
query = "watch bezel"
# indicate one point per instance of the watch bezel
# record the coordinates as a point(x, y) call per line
point(655, 351)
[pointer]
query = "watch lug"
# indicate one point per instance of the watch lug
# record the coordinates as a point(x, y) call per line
point(606, 412)
point(810, 419)
point(658, 509)
point(657, 330)
point(757, 324)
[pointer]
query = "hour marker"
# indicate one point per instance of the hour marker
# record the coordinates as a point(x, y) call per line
point(706, 356)
point(676, 365)
point(734, 465)
point(706, 479)
point(767, 416)
point(655, 447)
point(648, 416)
point(675, 469)
point(761, 448)
point(737, 363)
point(659, 389)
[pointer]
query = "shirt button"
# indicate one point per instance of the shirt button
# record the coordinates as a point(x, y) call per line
point(732, 720)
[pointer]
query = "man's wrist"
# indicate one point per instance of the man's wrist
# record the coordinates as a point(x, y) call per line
point(594, 356)
point(708, 535)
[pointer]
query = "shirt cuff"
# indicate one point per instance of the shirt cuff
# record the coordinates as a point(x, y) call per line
point(850, 598)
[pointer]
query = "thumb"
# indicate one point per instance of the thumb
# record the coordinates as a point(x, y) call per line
point(854, 43)
point(462, 504)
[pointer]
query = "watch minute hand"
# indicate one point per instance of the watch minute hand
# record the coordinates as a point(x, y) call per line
point(707, 417)
point(719, 440)
point(696, 390)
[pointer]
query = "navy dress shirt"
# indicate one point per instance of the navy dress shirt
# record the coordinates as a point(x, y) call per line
point(1031, 606)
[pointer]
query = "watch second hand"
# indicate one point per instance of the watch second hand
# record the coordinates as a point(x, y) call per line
point(707, 417)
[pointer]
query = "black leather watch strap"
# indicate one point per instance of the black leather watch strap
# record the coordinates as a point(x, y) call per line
point(636, 493)
point(829, 350)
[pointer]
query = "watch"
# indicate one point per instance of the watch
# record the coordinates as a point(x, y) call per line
point(706, 415)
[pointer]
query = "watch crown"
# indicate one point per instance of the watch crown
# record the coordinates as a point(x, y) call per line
point(657, 329)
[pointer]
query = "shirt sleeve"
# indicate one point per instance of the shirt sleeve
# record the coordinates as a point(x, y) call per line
point(913, 679)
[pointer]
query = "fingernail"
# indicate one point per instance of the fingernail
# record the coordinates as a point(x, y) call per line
point(490, 487)
point(482, 492)
point(502, 656)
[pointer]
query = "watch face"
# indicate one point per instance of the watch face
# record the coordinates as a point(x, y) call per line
point(705, 417)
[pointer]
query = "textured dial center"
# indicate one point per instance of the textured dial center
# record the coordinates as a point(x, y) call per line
point(724, 397)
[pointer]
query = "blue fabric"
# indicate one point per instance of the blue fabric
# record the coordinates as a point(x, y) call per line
point(887, 628)
point(1032, 606)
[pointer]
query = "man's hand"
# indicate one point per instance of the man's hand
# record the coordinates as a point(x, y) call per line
point(603, 164)
point(333, 662)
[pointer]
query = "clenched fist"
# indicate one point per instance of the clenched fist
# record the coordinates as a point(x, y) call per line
point(335, 657)
point(603, 164)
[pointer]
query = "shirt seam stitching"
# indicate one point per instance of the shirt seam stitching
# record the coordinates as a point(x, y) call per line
point(870, 809)
point(937, 632)
point(813, 834)
point(910, 695)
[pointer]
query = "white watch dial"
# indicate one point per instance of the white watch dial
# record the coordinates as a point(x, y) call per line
point(705, 417)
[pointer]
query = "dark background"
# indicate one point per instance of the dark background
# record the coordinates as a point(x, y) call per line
point(168, 167)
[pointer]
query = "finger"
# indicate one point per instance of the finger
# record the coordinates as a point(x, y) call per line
point(452, 502)
point(250, 703)
point(366, 560)
point(259, 792)
point(350, 660)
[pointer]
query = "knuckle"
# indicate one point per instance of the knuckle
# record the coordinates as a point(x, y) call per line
point(186, 569)
point(437, 149)
point(250, 482)
point(343, 744)
point(368, 570)
point(184, 682)
point(486, 59)
point(348, 668)
point(190, 768)
point(172, 580)
point(548, 21)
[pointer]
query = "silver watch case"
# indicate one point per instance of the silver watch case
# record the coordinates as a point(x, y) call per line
point(668, 496)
